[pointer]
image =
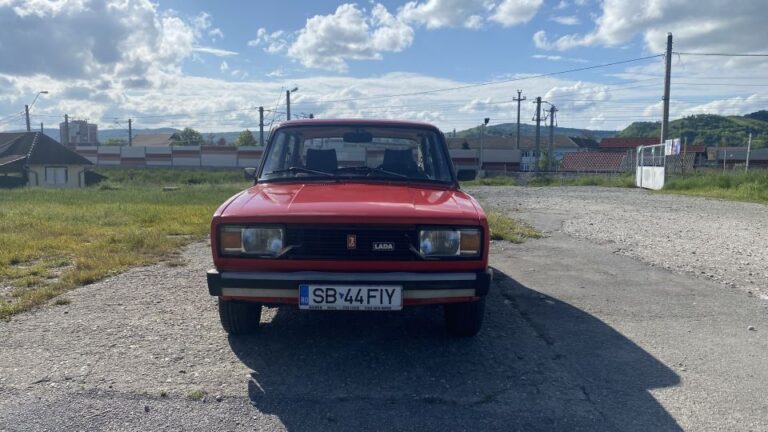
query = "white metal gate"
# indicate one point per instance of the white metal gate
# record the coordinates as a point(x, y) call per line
point(650, 168)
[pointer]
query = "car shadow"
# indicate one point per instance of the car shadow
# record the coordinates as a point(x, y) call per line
point(538, 364)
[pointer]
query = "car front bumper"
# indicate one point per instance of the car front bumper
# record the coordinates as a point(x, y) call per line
point(283, 287)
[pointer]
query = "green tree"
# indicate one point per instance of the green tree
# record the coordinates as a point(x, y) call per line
point(188, 137)
point(544, 162)
point(246, 139)
point(115, 142)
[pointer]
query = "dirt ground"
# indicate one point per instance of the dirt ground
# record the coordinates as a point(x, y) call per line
point(591, 328)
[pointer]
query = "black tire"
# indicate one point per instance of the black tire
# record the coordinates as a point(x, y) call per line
point(239, 317)
point(465, 319)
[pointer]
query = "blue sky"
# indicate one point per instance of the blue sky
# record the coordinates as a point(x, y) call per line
point(209, 64)
point(455, 53)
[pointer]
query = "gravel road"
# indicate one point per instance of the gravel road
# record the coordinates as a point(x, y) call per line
point(723, 241)
point(595, 327)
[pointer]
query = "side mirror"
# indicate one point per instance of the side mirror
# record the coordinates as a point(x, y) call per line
point(249, 173)
point(466, 174)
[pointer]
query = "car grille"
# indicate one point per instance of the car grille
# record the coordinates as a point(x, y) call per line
point(330, 242)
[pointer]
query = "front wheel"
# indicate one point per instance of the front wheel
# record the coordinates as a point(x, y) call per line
point(465, 319)
point(239, 317)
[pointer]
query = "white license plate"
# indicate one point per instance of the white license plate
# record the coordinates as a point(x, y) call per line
point(351, 297)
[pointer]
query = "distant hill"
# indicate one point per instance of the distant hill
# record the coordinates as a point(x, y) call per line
point(709, 129)
point(510, 129)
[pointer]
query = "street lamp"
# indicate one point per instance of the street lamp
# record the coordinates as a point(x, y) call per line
point(482, 138)
point(28, 107)
point(288, 101)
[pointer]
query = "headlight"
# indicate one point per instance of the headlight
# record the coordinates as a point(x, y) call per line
point(439, 242)
point(236, 240)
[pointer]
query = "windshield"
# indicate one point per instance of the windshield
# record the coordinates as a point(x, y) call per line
point(387, 153)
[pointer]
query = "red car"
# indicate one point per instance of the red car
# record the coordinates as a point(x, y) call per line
point(352, 215)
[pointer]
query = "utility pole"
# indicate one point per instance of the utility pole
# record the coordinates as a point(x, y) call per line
point(518, 99)
point(749, 149)
point(538, 133)
point(667, 77)
point(66, 130)
point(261, 125)
point(552, 111)
point(130, 133)
point(26, 112)
point(482, 137)
point(288, 104)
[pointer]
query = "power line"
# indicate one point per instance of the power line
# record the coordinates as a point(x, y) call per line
point(504, 81)
point(12, 117)
point(722, 54)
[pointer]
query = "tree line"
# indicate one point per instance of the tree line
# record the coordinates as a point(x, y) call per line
point(191, 137)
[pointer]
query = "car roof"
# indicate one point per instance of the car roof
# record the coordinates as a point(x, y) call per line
point(356, 122)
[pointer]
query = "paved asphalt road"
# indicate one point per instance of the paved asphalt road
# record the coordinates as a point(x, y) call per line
point(577, 337)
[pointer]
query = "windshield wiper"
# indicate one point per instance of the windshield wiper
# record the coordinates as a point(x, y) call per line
point(295, 169)
point(369, 170)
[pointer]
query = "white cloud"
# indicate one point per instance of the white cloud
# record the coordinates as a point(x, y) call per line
point(445, 13)
point(577, 96)
point(215, 34)
point(328, 41)
point(354, 33)
point(214, 51)
point(272, 43)
point(513, 12)
point(277, 73)
point(471, 14)
point(201, 23)
point(106, 39)
point(730, 106)
point(706, 26)
point(185, 100)
point(487, 106)
point(237, 73)
point(474, 22)
point(558, 58)
point(566, 20)
point(124, 59)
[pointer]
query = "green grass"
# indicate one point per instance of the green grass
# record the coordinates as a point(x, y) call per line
point(505, 228)
point(52, 240)
point(126, 177)
point(196, 395)
point(739, 186)
point(606, 180)
point(491, 181)
point(623, 180)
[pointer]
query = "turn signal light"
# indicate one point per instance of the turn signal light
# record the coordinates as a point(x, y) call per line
point(231, 240)
point(470, 242)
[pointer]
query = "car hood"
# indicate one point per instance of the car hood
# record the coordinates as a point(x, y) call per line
point(358, 202)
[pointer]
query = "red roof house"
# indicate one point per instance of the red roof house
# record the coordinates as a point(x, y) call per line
point(593, 162)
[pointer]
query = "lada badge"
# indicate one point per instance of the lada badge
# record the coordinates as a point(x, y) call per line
point(383, 246)
point(351, 241)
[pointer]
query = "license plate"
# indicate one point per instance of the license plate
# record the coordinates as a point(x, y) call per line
point(351, 297)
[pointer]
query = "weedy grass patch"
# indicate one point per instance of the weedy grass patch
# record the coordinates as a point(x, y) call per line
point(749, 186)
point(52, 240)
point(504, 227)
point(606, 180)
point(491, 181)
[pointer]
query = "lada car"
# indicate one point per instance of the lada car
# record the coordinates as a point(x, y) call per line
point(352, 215)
